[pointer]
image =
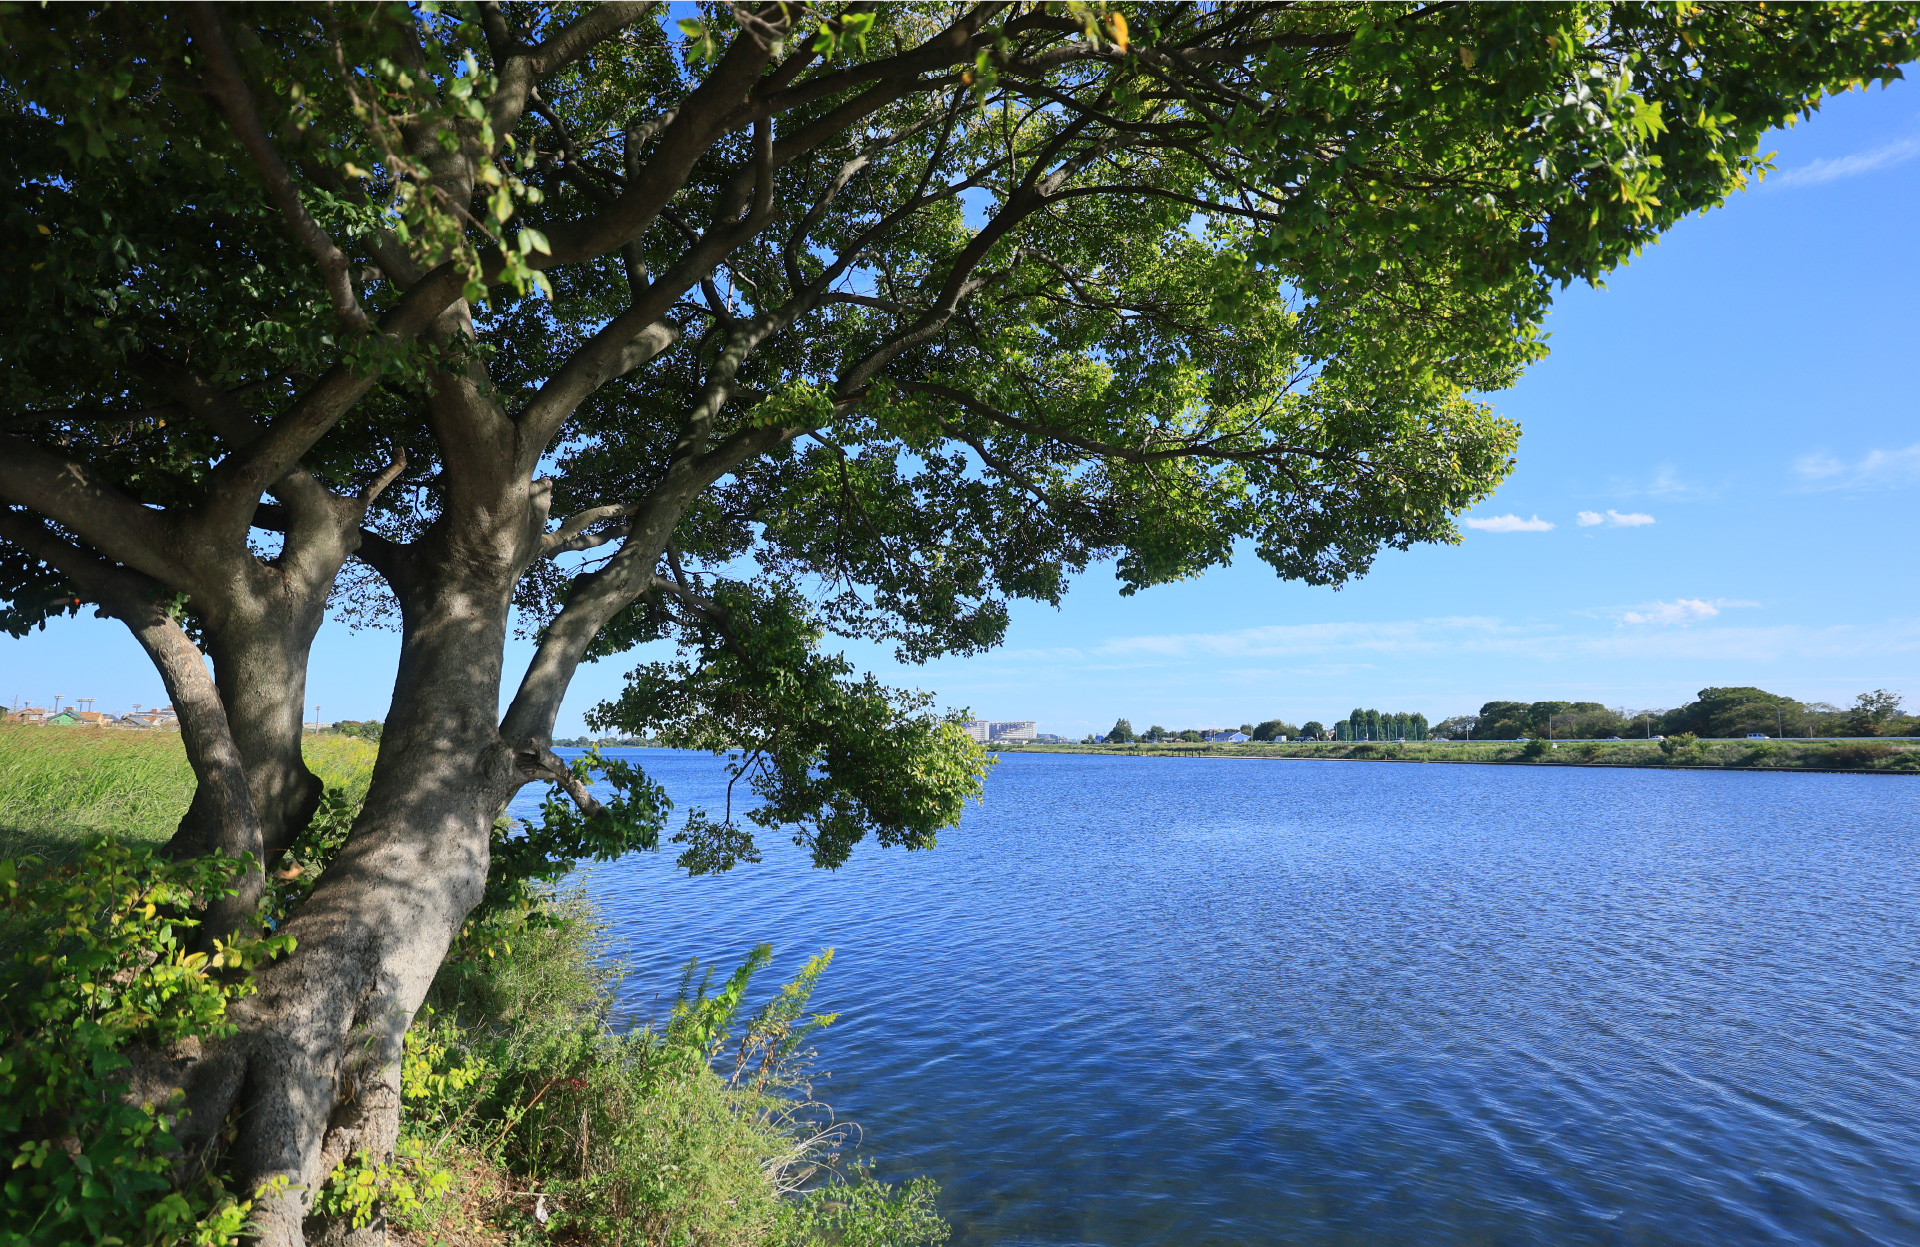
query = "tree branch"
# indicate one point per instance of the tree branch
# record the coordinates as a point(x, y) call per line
point(229, 87)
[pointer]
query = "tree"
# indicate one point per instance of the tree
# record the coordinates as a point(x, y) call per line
point(1873, 712)
point(1724, 712)
point(1312, 729)
point(743, 330)
point(1121, 733)
point(1457, 727)
point(1343, 730)
point(1271, 729)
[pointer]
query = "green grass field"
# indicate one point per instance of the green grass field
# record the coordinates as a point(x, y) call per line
point(62, 786)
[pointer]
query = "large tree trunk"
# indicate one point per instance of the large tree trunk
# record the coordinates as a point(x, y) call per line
point(322, 1038)
point(261, 671)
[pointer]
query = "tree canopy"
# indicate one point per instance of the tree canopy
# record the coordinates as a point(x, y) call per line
point(750, 328)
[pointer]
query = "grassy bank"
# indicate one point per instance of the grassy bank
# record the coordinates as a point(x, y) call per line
point(61, 785)
point(527, 1118)
point(1785, 755)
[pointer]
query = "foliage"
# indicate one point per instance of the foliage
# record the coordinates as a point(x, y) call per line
point(1723, 712)
point(363, 1186)
point(95, 964)
point(833, 758)
point(1121, 732)
point(1680, 745)
point(695, 1132)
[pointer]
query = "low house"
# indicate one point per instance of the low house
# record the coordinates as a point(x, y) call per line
point(1228, 738)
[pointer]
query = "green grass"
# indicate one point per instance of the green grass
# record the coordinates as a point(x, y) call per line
point(62, 786)
point(1887, 756)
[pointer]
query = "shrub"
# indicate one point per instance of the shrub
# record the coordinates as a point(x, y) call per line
point(95, 963)
point(1681, 745)
point(1863, 754)
point(1534, 750)
point(700, 1131)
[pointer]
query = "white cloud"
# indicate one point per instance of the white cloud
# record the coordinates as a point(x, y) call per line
point(1823, 171)
point(1631, 519)
point(1296, 650)
point(1508, 524)
point(1877, 469)
point(1684, 611)
point(1666, 484)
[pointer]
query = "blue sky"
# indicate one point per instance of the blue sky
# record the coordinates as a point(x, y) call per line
point(1722, 456)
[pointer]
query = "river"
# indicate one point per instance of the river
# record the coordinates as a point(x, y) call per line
point(1143, 1001)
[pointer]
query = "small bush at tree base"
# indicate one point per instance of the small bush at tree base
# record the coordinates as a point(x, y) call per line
point(94, 963)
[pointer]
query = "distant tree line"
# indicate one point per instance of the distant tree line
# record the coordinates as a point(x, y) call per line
point(1717, 712)
point(1369, 725)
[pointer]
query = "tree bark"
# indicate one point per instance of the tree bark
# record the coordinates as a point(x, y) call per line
point(261, 672)
point(323, 1035)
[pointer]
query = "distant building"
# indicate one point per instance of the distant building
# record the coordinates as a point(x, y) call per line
point(984, 730)
point(159, 716)
point(1228, 738)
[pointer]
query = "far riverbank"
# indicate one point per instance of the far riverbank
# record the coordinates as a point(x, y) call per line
point(1851, 756)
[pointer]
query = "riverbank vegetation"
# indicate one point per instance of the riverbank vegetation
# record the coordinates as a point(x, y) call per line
point(529, 1112)
point(1674, 751)
point(1717, 712)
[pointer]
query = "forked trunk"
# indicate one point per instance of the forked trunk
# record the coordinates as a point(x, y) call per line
point(322, 1039)
point(261, 671)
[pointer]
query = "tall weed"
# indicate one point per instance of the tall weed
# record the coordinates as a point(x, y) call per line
point(699, 1132)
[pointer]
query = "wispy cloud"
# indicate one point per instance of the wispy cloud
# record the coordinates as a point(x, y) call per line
point(1696, 629)
point(1877, 469)
point(1667, 484)
point(1822, 171)
point(1680, 611)
point(1613, 519)
point(1508, 524)
point(1683, 611)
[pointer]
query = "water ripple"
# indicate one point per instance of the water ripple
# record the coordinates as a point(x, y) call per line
point(1137, 1001)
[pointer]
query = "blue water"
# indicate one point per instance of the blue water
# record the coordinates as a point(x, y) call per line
point(1146, 1001)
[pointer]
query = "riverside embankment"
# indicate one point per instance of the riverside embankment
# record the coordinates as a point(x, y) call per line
point(1852, 756)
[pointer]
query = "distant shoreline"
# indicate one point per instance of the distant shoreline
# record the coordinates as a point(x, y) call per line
point(1828, 756)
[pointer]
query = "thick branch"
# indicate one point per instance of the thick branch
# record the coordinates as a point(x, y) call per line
point(229, 87)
